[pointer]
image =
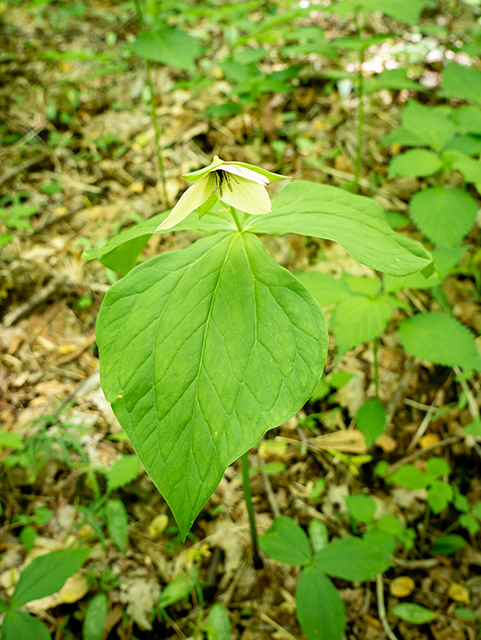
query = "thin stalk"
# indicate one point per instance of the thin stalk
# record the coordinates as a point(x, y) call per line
point(376, 365)
point(260, 129)
point(155, 122)
point(236, 219)
point(360, 121)
point(250, 510)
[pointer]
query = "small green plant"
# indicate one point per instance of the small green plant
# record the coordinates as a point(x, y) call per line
point(320, 609)
point(42, 577)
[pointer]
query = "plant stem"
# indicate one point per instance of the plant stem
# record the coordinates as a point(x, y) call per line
point(360, 121)
point(376, 365)
point(155, 122)
point(260, 129)
point(250, 510)
point(236, 219)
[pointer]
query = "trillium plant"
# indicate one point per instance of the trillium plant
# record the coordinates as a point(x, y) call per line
point(203, 350)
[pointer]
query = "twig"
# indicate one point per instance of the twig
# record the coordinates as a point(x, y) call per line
point(422, 452)
point(472, 404)
point(285, 634)
point(428, 563)
point(426, 420)
point(382, 609)
point(271, 498)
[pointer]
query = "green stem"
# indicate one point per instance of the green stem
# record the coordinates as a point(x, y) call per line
point(155, 122)
point(236, 219)
point(250, 510)
point(360, 121)
point(376, 366)
point(260, 129)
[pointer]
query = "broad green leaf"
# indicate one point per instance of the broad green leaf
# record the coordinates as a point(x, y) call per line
point(18, 625)
point(428, 124)
point(95, 617)
point(445, 216)
point(370, 287)
point(359, 319)
point(468, 145)
point(445, 260)
point(47, 574)
point(410, 477)
point(320, 609)
point(10, 439)
point(318, 534)
point(371, 420)
point(202, 351)
point(448, 543)
point(286, 542)
point(408, 11)
point(403, 137)
point(117, 523)
point(439, 496)
point(437, 467)
point(470, 168)
point(385, 541)
point(123, 471)
point(417, 162)
point(325, 288)
point(473, 429)
point(351, 558)
point(357, 223)
point(120, 253)
point(218, 623)
point(361, 507)
point(414, 613)
point(468, 119)
point(461, 82)
point(440, 339)
point(169, 46)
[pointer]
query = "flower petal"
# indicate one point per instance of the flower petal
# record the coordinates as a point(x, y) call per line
point(246, 195)
point(195, 196)
point(244, 173)
point(200, 173)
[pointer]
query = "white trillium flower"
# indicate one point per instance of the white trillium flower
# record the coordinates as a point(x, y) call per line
point(237, 184)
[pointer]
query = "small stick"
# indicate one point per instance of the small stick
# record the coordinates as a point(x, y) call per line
point(382, 609)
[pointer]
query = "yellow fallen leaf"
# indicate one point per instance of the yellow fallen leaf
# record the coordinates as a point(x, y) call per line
point(68, 347)
point(136, 187)
point(459, 593)
point(386, 443)
point(158, 525)
point(272, 449)
point(428, 440)
point(348, 441)
point(401, 587)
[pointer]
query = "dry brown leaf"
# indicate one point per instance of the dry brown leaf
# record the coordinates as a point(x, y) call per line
point(402, 586)
point(74, 589)
point(387, 443)
point(459, 593)
point(349, 441)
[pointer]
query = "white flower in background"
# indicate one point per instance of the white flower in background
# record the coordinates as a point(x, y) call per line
point(237, 184)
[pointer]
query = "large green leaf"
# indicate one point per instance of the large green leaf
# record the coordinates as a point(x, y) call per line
point(445, 216)
point(285, 541)
point(169, 46)
point(440, 339)
point(416, 162)
point(428, 124)
point(201, 352)
point(355, 222)
point(351, 558)
point(47, 574)
point(18, 625)
point(320, 609)
point(120, 253)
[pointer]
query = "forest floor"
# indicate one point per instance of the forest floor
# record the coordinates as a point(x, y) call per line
point(78, 147)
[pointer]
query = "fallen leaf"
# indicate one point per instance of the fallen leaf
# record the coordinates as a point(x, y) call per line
point(348, 441)
point(401, 587)
point(386, 443)
point(459, 593)
point(428, 440)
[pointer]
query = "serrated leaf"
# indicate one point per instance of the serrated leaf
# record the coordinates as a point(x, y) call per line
point(437, 467)
point(357, 223)
point(440, 339)
point(445, 216)
point(201, 352)
point(10, 439)
point(47, 574)
point(320, 609)
point(461, 82)
point(467, 119)
point(325, 288)
point(95, 617)
point(439, 496)
point(18, 625)
point(414, 613)
point(286, 542)
point(416, 162)
point(445, 260)
point(470, 168)
point(410, 477)
point(371, 420)
point(428, 124)
point(359, 319)
point(351, 558)
point(169, 46)
point(123, 471)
